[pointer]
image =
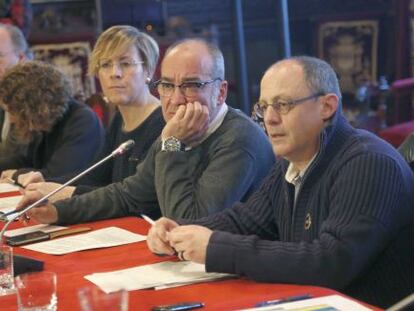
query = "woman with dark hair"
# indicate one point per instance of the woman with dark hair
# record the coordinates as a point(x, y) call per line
point(124, 60)
point(63, 135)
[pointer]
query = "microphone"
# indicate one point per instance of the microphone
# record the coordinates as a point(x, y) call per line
point(11, 216)
point(125, 146)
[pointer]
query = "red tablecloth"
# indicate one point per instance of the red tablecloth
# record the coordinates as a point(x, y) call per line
point(219, 295)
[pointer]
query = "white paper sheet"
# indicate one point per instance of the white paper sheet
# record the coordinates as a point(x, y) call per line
point(6, 187)
point(9, 204)
point(42, 227)
point(340, 303)
point(107, 237)
point(150, 276)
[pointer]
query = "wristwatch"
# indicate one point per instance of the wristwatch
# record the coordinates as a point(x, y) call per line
point(172, 144)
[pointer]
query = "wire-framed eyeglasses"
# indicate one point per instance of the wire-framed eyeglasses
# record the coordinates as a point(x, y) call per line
point(282, 106)
point(125, 65)
point(188, 88)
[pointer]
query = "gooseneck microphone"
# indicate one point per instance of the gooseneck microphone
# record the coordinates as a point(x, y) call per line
point(9, 217)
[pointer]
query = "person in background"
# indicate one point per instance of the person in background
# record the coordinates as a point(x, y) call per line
point(63, 136)
point(336, 211)
point(207, 157)
point(124, 60)
point(13, 50)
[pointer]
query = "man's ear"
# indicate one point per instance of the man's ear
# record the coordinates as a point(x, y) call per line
point(330, 104)
point(223, 92)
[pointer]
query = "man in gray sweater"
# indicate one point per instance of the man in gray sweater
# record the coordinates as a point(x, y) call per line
point(207, 157)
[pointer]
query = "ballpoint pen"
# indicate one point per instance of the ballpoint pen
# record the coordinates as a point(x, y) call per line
point(148, 219)
point(283, 300)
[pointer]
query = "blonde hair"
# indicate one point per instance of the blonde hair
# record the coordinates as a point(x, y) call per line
point(117, 39)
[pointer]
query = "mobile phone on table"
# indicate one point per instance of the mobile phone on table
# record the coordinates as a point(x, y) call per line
point(27, 238)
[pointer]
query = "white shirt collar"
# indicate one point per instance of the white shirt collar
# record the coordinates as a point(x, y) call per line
point(293, 175)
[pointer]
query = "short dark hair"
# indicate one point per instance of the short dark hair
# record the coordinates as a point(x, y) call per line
point(319, 75)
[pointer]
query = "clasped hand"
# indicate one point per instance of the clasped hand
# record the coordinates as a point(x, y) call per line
point(189, 123)
point(168, 237)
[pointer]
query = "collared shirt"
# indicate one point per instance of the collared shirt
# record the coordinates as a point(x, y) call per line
point(295, 176)
point(212, 127)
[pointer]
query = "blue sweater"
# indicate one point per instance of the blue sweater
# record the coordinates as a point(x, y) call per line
point(352, 228)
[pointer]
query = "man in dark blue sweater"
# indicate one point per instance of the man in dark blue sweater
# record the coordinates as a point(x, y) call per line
point(336, 211)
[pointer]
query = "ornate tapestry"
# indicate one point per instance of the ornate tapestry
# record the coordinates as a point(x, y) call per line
point(351, 48)
point(72, 59)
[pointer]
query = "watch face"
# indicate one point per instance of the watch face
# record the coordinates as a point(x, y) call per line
point(172, 144)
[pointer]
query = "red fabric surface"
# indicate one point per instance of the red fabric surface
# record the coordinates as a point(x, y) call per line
point(396, 134)
point(219, 295)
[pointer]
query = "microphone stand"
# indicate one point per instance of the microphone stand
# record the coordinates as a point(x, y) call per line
point(118, 151)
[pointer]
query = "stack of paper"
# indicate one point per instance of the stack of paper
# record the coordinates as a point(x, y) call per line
point(326, 303)
point(9, 204)
point(106, 237)
point(6, 187)
point(158, 276)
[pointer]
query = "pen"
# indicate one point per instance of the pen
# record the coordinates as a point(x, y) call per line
point(148, 219)
point(179, 306)
point(283, 300)
point(14, 182)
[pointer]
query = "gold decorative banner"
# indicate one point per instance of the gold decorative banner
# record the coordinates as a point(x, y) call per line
point(351, 48)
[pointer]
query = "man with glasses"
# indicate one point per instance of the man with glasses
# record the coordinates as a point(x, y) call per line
point(336, 211)
point(208, 156)
point(13, 49)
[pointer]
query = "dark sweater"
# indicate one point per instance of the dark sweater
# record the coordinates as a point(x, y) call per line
point(227, 167)
point(71, 145)
point(123, 166)
point(357, 197)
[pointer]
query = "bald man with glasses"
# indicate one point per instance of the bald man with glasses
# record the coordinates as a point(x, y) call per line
point(207, 157)
point(336, 211)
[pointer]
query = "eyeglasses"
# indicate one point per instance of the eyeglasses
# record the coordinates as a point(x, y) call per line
point(124, 65)
point(282, 106)
point(188, 89)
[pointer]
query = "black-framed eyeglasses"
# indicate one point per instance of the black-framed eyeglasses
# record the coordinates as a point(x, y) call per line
point(282, 106)
point(188, 88)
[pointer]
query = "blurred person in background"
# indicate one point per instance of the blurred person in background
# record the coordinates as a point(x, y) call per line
point(63, 135)
point(13, 50)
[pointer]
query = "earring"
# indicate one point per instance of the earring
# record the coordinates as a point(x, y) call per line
point(148, 80)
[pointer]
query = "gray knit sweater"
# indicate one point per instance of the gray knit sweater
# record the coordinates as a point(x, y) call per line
point(227, 167)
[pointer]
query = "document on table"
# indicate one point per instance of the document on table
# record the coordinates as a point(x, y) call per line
point(9, 204)
point(161, 274)
point(331, 303)
point(6, 187)
point(42, 227)
point(107, 237)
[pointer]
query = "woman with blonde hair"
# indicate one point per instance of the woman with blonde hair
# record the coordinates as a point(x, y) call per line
point(63, 135)
point(124, 60)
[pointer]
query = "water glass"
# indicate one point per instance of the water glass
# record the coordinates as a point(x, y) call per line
point(93, 299)
point(36, 291)
point(6, 270)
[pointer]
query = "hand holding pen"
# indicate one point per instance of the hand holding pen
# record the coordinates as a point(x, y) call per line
point(157, 238)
